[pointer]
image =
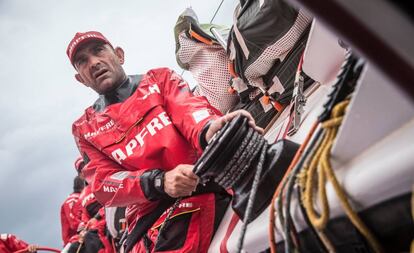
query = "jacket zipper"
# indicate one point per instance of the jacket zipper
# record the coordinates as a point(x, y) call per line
point(129, 130)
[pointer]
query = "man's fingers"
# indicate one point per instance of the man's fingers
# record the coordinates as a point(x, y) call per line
point(32, 248)
point(180, 192)
point(245, 113)
point(181, 181)
point(251, 121)
point(220, 122)
point(186, 184)
point(187, 171)
point(259, 129)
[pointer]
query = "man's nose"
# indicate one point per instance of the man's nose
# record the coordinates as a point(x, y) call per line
point(94, 62)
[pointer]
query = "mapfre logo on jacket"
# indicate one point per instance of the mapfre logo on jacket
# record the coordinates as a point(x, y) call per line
point(100, 129)
point(155, 125)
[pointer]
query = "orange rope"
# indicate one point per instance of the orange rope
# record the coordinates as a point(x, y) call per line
point(37, 249)
point(272, 238)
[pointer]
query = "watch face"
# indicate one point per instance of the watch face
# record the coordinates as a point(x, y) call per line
point(158, 182)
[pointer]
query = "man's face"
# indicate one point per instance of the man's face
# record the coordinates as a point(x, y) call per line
point(99, 66)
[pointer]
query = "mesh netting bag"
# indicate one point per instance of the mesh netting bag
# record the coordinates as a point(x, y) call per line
point(266, 43)
point(199, 52)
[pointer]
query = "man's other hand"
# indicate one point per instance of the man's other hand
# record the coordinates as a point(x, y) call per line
point(32, 248)
point(82, 234)
point(91, 223)
point(181, 181)
point(220, 122)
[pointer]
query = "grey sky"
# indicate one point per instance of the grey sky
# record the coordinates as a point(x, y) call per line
point(40, 98)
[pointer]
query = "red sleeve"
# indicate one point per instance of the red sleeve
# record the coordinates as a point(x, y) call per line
point(64, 221)
point(101, 172)
point(13, 243)
point(69, 216)
point(76, 214)
point(188, 113)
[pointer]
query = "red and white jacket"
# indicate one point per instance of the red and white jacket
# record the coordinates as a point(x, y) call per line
point(157, 126)
point(89, 207)
point(69, 217)
point(10, 243)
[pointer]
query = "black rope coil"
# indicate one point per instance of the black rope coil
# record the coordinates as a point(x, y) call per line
point(233, 152)
point(240, 158)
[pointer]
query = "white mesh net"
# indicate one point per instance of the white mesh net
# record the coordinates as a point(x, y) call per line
point(278, 50)
point(208, 65)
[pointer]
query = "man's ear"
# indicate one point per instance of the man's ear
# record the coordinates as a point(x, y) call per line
point(119, 52)
point(80, 79)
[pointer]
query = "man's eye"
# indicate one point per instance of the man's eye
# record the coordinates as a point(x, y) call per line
point(80, 62)
point(98, 49)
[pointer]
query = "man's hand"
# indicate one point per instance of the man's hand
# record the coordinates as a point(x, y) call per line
point(91, 223)
point(220, 122)
point(82, 236)
point(32, 248)
point(181, 181)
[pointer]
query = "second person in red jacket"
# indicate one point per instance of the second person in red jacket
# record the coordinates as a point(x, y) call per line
point(70, 217)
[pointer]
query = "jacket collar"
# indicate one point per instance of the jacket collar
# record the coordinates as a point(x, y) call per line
point(118, 95)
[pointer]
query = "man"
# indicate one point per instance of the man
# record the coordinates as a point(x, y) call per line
point(140, 139)
point(69, 218)
point(10, 243)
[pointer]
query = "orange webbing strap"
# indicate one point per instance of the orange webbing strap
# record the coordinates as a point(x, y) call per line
point(272, 238)
point(266, 98)
point(278, 106)
point(200, 38)
point(231, 69)
point(231, 90)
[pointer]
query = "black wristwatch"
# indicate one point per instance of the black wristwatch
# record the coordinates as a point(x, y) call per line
point(152, 184)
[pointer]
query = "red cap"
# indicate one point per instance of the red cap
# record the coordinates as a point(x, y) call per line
point(81, 38)
point(79, 164)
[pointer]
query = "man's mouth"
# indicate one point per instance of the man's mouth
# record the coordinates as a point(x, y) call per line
point(99, 73)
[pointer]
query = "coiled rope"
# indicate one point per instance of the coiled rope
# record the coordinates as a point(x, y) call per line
point(234, 151)
point(320, 166)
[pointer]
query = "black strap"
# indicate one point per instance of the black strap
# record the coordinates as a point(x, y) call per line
point(145, 223)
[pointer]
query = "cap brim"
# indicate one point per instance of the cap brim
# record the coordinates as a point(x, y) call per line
point(83, 43)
